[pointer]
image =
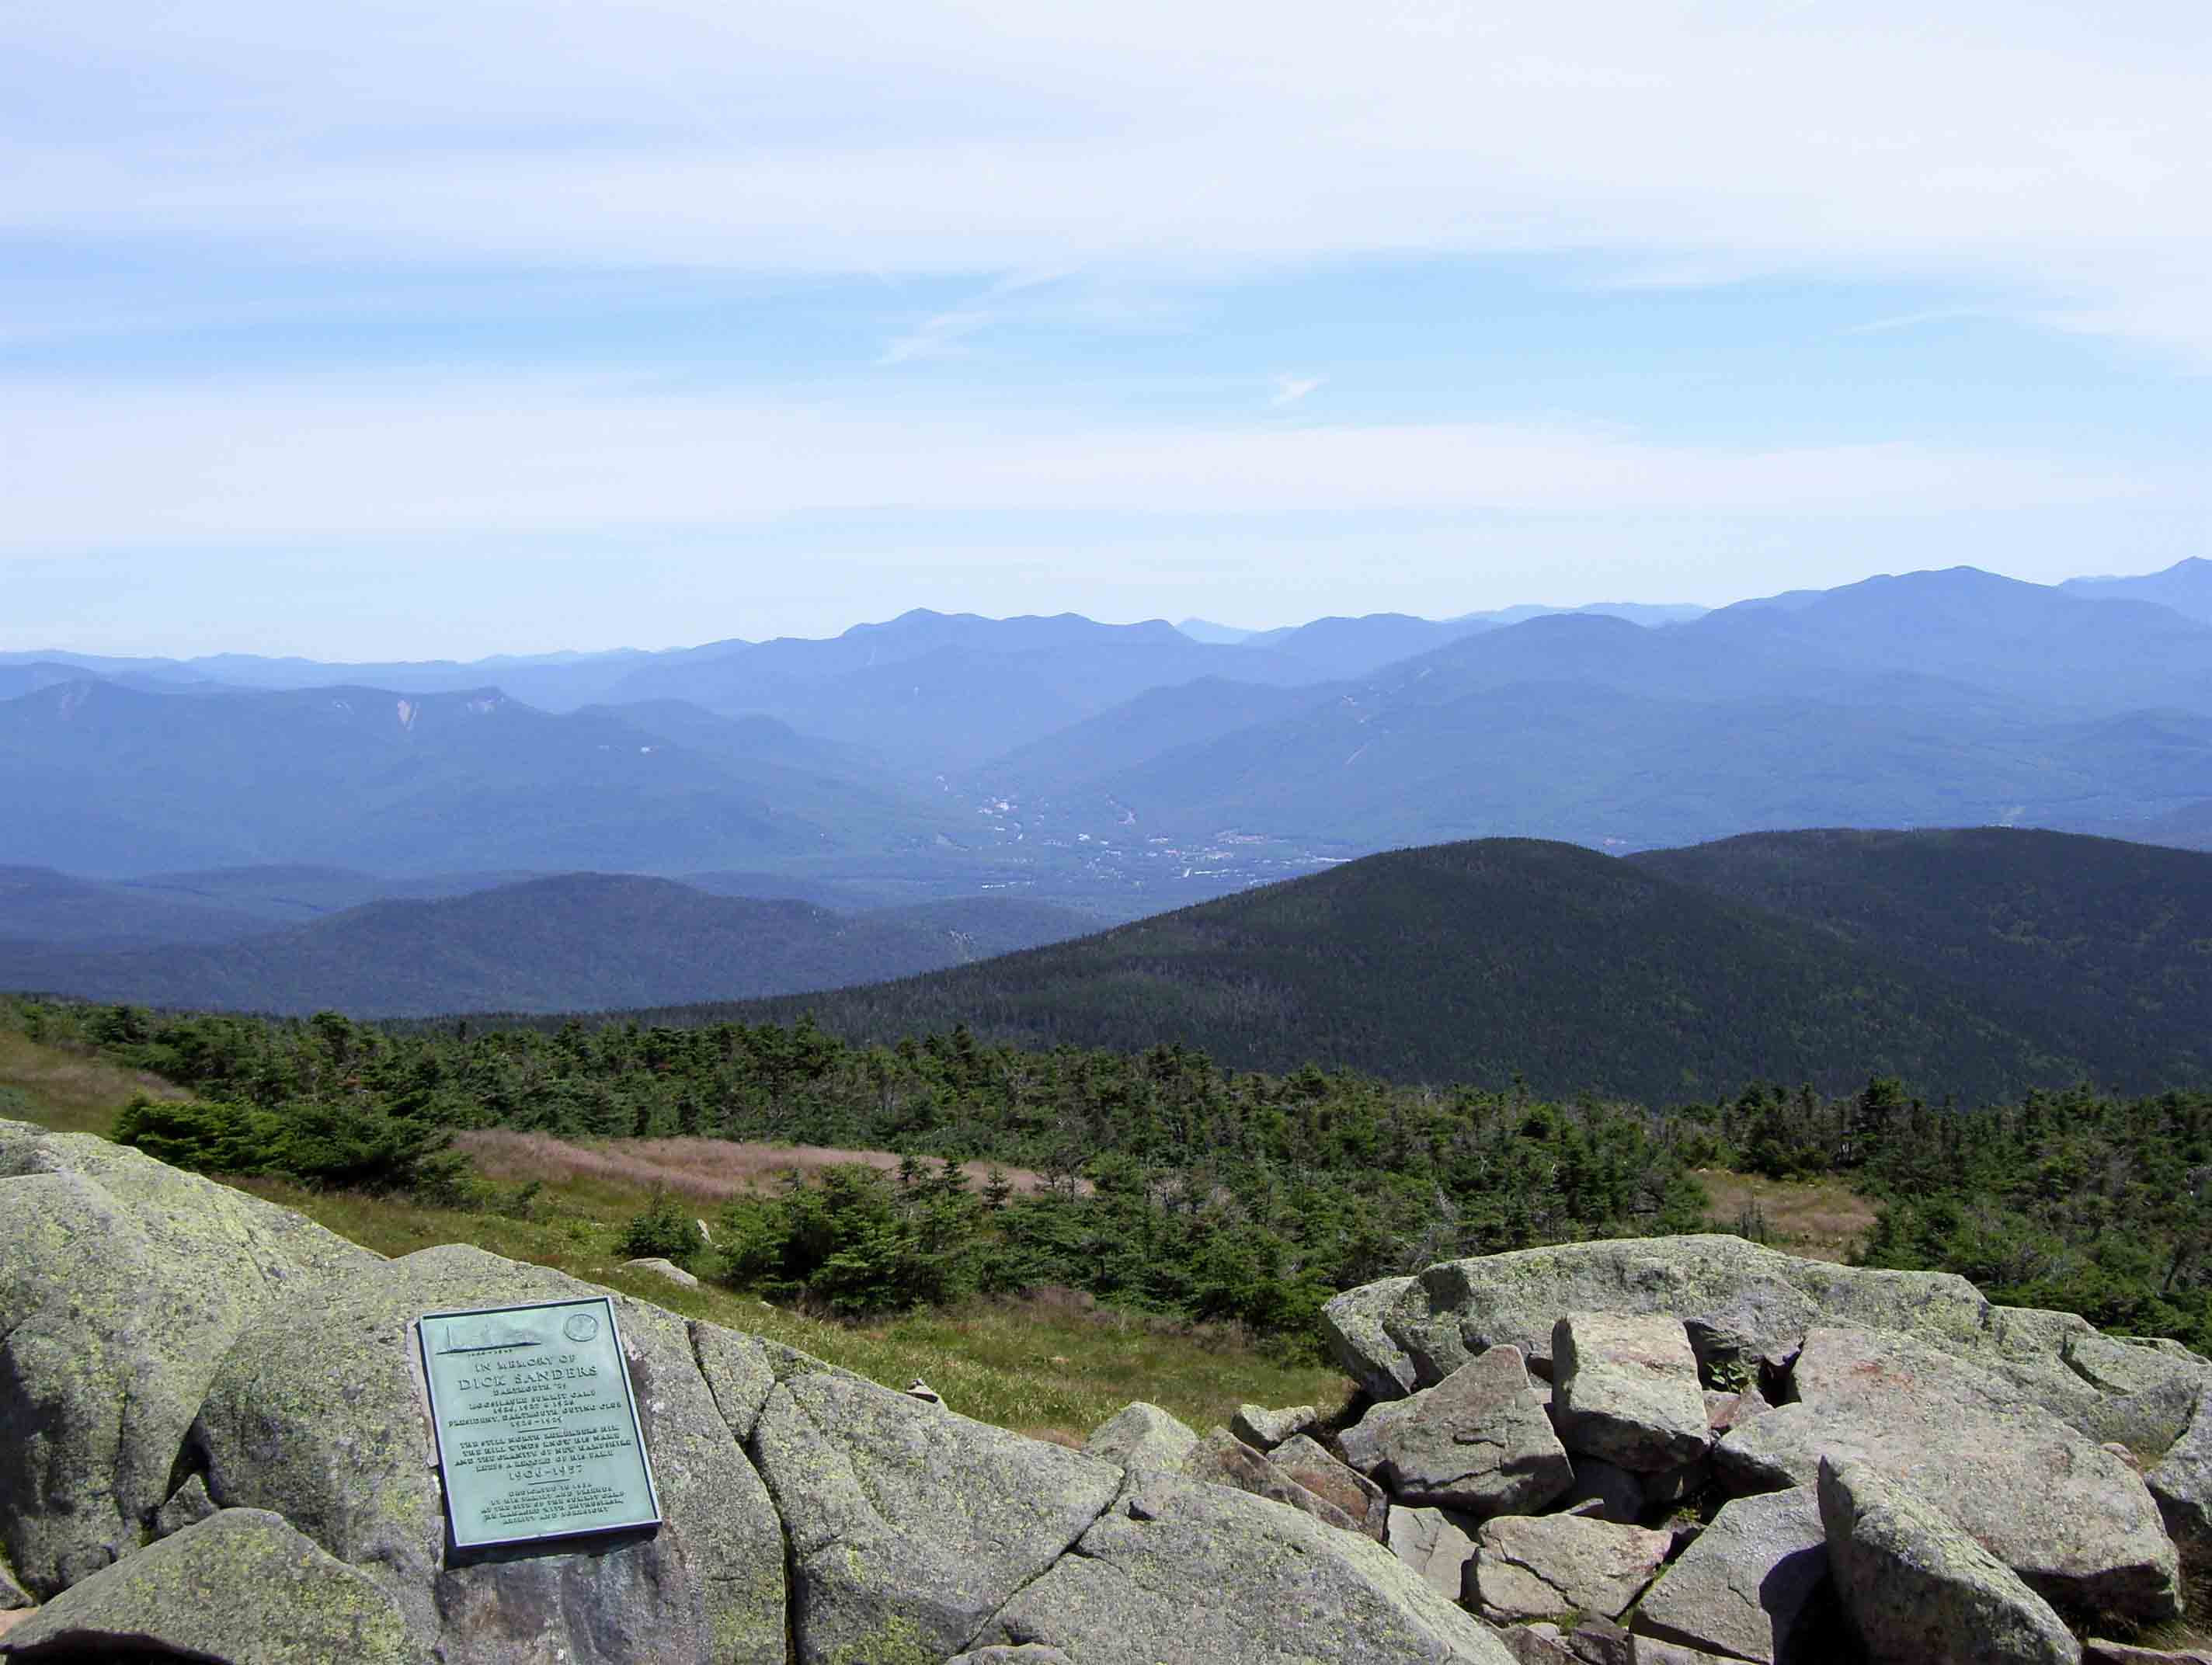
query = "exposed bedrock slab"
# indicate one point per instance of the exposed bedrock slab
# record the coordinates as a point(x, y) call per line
point(1919, 1591)
point(1548, 1566)
point(1478, 1441)
point(909, 1524)
point(1742, 1586)
point(327, 1425)
point(1180, 1571)
point(1143, 1437)
point(1740, 1301)
point(1308, 1463)
point(2069, 1517)
point(241, 1586)
point(122, 1282)
point(1624, 1388)
point(742, 1369)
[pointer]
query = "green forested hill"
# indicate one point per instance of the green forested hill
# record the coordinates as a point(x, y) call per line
point(1477, 962)
point(575, 941)
point(2111, 937)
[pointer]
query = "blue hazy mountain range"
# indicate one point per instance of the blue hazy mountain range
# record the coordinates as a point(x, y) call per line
point(1129, 768)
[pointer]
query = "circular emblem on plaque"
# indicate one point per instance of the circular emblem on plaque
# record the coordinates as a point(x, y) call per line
point(580, 1326)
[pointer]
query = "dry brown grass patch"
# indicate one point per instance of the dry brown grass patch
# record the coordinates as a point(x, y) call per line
point(705, 1169)
point(1821, 1220)
point(73, 1091)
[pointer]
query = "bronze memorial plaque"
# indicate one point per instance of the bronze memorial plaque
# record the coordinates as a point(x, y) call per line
point(538, 1436)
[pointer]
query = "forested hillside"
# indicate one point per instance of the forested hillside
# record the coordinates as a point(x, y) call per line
point(1991, 959)
point(2090, 934)
point(1994, 960)
point(568, 942)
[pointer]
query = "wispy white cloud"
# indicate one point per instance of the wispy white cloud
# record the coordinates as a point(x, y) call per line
point(2040, 152)
point(1290, 389)
point(935, 337)
point(535, 455)
point(1920, 319)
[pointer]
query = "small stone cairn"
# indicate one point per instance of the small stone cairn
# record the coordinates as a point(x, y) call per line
point(1696, 1451)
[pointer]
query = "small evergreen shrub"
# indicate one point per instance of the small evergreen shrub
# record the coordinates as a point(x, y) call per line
point(661, 1233)
point(363, 1147)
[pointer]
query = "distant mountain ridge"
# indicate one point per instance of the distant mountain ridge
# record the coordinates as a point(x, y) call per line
point(1938, 698)
point(1128, 766)
point(103, 779)
point(2185, 587)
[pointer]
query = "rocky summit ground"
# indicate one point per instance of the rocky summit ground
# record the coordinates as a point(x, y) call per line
point(214, 1444)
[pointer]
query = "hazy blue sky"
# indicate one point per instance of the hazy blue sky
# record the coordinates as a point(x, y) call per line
point(399, 329)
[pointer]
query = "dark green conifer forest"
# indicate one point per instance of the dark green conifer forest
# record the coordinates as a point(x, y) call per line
point(1173, 1185)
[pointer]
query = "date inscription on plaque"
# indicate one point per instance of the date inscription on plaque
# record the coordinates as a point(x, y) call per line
point(538, 1436)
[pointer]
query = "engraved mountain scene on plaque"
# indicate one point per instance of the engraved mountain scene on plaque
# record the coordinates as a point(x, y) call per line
point(538, 1433)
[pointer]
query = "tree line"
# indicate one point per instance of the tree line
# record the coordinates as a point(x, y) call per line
point(1173, 1184)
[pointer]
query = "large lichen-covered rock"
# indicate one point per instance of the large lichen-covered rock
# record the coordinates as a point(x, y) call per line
point(1548, 1566)
point(1479, 1440)
point(122, 1282)
point(1222, 1459)
point(909, 1525)
point(241, 1587)
point(1624, 1388)
point(1184, 1571)
point(2129, 1363)
point(1143, 1437)
point(2182, 1480)
point(186, 1212)
point(1649, 1650)
point(1741, 1587)
point(2069, 1517)
point(1358, 1326)
point(1605, 1492)
point(1540, 1643)
point(1264, 1429)
point(327, 1424)
point(1921, 1591)
point(2097, 1652)
point(1308, 1462)
point(1434, 1544)
point(742, 1369)
point(1741, 1302)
